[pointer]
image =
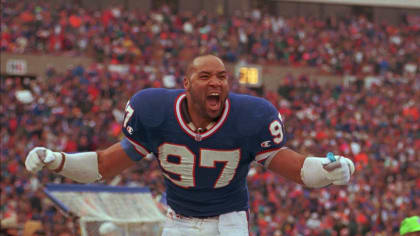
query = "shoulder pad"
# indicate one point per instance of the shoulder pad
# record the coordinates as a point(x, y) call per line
point(251, 113)
point(152, 106)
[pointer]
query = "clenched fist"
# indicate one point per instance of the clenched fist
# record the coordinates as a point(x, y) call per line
point(319, 172)
point(339, 171)
point(39, 157)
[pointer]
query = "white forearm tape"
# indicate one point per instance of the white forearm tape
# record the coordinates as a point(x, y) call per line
point(81, 167)
point(313, 173)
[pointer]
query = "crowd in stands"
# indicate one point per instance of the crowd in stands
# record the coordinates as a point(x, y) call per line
point(376, 125)
point(346, 45)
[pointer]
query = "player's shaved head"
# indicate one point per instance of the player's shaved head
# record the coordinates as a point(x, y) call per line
point(206, 87)
point(202, 60)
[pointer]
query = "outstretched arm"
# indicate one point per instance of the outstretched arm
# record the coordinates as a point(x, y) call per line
point(313, 172)
point(84, 167)
point(288, 164)
point(113, 160)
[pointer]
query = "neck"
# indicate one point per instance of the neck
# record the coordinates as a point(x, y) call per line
point(198, 120)
point(193, 116)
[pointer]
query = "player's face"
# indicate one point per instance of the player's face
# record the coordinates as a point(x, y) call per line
point(208, 86)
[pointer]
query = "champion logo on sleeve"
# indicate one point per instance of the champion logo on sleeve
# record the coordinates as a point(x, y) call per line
point(266, 144)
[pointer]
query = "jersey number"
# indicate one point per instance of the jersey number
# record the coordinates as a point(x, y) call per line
point(129, 111)
point(185, 163)
point(276, 131)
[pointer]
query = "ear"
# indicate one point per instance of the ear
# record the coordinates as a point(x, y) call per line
point(186, 83)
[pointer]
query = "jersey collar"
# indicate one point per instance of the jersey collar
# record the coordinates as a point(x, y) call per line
point(184, 125)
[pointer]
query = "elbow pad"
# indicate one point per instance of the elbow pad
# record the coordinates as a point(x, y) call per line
point(81, 167)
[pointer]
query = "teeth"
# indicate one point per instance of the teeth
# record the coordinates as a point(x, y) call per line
point(214, 94)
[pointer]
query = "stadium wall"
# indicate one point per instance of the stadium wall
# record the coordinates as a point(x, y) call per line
point(27, 65)
point(32, 65)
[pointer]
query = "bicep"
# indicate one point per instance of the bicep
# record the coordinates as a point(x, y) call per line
point(288, 164)
point(113, 161)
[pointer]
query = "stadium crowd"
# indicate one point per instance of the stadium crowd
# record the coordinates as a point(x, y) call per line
point(346, 45)
point(375, 124)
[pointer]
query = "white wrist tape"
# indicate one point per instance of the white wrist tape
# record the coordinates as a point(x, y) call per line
point(81, 167)
point(318, 172)
point(313, 173)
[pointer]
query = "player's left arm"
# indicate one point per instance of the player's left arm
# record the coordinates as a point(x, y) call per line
point(314, 172)
point(310, 171)
point(288, 164)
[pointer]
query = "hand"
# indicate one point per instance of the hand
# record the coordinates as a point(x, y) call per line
point(39, 157)
point(339, 171)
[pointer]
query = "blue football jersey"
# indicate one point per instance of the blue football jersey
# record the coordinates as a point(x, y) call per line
point(205, 173)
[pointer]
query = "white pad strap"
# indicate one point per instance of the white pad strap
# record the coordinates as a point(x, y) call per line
point(81, 167)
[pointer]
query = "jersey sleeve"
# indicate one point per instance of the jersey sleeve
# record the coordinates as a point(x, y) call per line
point(271, 136)
point(135, 142)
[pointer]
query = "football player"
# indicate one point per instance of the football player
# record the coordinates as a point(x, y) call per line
point(204, 139)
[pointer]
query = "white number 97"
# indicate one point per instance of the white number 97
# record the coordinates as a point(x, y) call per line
point(276, 131)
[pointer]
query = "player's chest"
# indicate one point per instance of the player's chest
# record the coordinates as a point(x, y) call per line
point(213, 161)
point(223, 138)
point(220, 146)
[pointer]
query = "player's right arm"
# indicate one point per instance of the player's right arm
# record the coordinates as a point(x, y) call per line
point(83, 167)
point(87, 167)
point(113, 160)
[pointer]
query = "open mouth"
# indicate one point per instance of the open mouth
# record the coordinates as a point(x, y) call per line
point(213, 101)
